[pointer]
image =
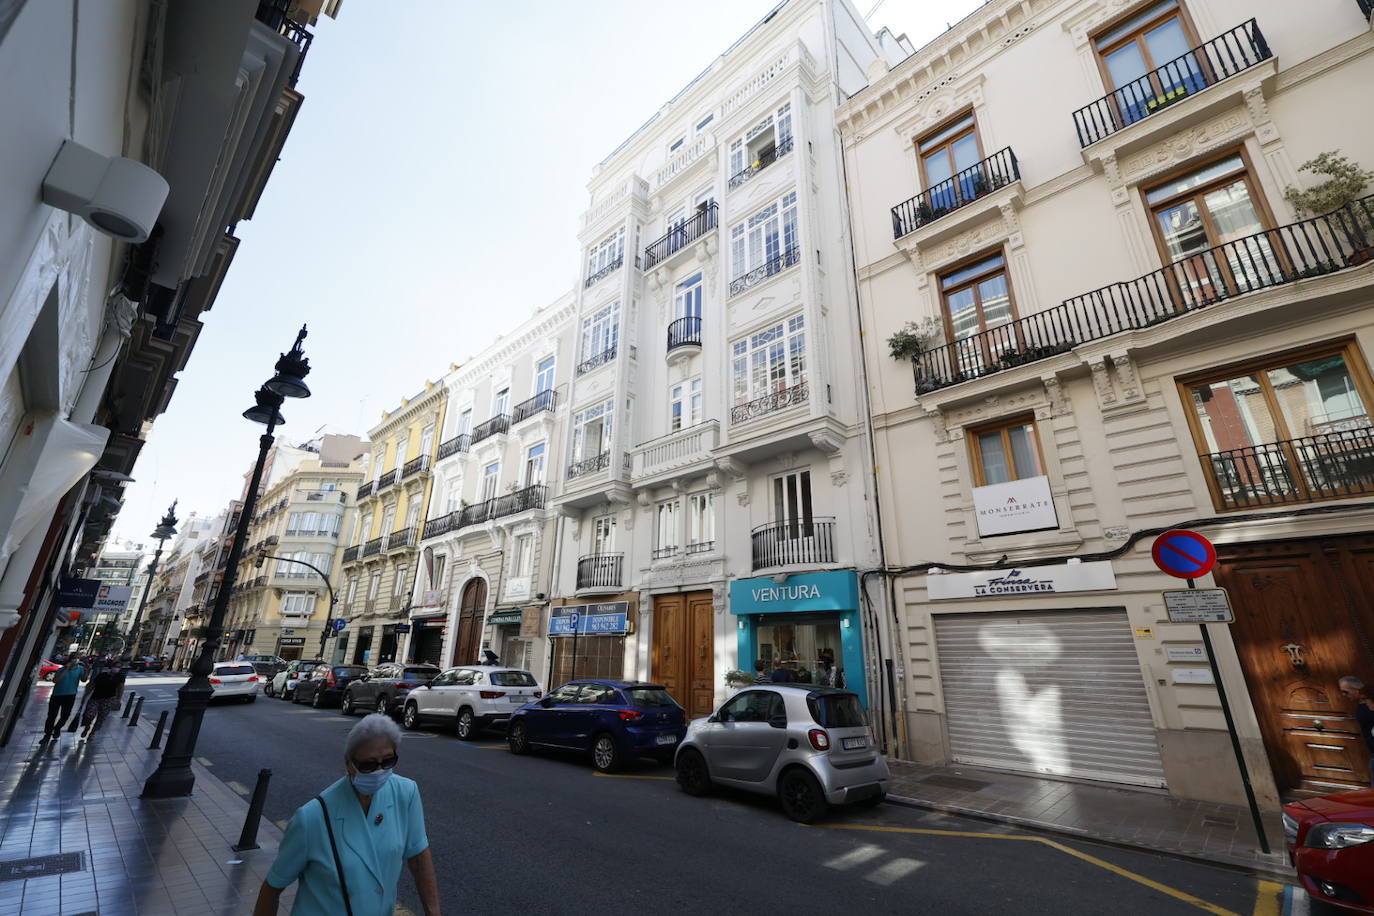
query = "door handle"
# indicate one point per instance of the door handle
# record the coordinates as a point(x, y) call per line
point(1295, 654)
point(1318, 724)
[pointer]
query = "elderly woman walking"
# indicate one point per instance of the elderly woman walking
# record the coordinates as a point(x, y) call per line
point(346, 846)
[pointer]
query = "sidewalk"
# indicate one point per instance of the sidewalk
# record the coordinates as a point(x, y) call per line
point(1218, 834)
point(106, 851)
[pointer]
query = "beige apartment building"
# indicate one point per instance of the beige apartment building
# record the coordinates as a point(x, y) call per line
point(1111, 320)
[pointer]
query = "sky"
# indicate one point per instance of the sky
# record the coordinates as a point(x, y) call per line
point(427, 200)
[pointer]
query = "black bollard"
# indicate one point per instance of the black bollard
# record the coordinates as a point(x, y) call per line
point(157, 735)
point(138, 710)
point(248, 839)
point(127, 706)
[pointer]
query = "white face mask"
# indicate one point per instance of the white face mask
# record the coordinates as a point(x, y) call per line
point(371, 783)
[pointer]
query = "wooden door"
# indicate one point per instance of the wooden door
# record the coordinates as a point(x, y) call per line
point(670, 653)
point(684, 650)
point(701, 693)
point(471, 612)
point(1310, 601)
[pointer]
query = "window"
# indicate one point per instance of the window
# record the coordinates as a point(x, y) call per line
point(792, 503)
point(592, 694)
point(413, 514)
point(352, 592)
point(464, 422)
point(389, 520)
point(701, 125)
point(977, 298)
point(770, 361)
point(501, 403)
point(298, 604)
point(603, 534)
point(701, 522)
point(374, 586)
point(322, 561)
point(378, 462)
point(945, 153)
point(592, 431)
point(1160, 36)
point(534, 464)
point(426, 439)
point(684, 404)
point(1009, 450)
point(455, 496)
point(522, 555)
point(687, 298)
point(436, 579)
point(766, 140)
point(491, 477)
point(608, 253)
point(543, 375)
point(676, 145)
point(753, 706)
point(666, 529)
point(767, 240)
point(401, 583)
point(601, 331)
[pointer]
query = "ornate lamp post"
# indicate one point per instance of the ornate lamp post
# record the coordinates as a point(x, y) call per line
point(166, 529)
point(173, 777)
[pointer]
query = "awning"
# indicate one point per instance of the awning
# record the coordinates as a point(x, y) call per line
point(62, 452)
point(508, 618)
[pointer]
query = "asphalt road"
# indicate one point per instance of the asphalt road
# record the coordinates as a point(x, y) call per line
point(545, 833)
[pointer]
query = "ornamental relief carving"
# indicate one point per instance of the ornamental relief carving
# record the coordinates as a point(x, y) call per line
point(994, 406)
point(1185, 145)
point(994, 230)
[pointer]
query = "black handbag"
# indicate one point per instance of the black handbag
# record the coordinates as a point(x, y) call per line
point(334, 847)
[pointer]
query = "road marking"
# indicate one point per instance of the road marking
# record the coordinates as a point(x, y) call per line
point(1296, 902)
point(892, 872)
point(489, 747)
point(629, 776)
point(1092, 860)
point(205, 763)
point(855, 857)
point(238, 787)
point(1268, 898)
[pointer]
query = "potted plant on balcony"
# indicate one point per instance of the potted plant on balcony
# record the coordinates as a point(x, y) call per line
point(1168, 98)
point(1345, 184)
point(911, 340)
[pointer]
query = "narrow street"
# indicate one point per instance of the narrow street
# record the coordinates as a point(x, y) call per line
point(514, 834)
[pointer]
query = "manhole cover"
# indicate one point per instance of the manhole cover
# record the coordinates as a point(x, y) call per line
point(40, 866)
point(954, 782)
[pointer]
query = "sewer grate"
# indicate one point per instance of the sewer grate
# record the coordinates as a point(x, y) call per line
point(954, 782)
point(40, 866)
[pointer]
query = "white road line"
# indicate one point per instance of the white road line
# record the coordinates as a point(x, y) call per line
point(238, 787)
point(1295, 901)
point(205, 763)
point(855, 857)
point(893, 871)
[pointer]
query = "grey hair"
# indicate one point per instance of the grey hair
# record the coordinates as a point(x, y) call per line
point(372, 728)
point(1352, 682)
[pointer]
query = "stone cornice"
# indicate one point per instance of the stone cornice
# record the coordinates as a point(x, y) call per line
point(435, 395)
point(543, 326)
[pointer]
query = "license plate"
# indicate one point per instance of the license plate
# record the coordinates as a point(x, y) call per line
point(667, 739)
point(851, 744)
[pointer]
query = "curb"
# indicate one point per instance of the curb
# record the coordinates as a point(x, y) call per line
point(1279, 873)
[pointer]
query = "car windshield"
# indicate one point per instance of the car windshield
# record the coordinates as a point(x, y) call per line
point(234, 669)
point(650, 696)
point(837, 710)
point(422, 672)
point(349, 670)
point(512, 679)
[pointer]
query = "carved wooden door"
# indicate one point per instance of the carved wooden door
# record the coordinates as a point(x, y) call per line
point(471, 612)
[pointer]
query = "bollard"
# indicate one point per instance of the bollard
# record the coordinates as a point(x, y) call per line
point(127, 706)
point(157, 735)
point(248, 839)
point(138, 710)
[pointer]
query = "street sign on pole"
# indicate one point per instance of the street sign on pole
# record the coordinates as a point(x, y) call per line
point(1184, 554)
point(1199, 605)
point(339, 624)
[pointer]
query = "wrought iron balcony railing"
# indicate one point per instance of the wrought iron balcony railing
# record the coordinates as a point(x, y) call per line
point(601, 570)
point(351, 553)
point(682, 235)
point(364, 489)
point(544, 400)
point(1366, 8)
point(441, 524)
point(606, 271)
point(685, 332)
point(273, 14)
point(458, 443)
point(793, 543)
point(497, 424)
point(770, 403)
point(387, 479)
point(1210, 62)
point(998, 170)
point(592, 362)
point(774, 265)
point(402, 539)
point(663, 553)
point(373, 547)
point(532, 497)
point(1296, 251)
point(1322, 466)
point(767, 158)
point(589, 465)
point(415, 466)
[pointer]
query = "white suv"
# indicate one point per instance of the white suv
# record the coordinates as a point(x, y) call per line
point(471, 698)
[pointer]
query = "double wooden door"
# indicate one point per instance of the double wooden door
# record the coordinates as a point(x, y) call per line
point(684, 650)
point(471, 613)
point(1304, 619)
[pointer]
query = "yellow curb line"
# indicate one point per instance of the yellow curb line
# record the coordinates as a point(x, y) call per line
point(629, 776)
point(1269, 901)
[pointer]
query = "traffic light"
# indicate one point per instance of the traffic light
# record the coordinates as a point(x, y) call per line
point(262, 558)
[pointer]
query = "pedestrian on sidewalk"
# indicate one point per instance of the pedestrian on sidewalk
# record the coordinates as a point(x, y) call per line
point(1352, 688)
point(760, 672)
point(106, 690)
point(346, 846)
point(65, 684)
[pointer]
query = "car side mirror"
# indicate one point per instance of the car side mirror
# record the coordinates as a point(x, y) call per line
point(546, 702)
point(714, 718)
point(778, 721)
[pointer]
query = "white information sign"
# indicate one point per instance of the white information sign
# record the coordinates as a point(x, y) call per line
point(1186, 654)
point(1032, 580)
point(1191, 676)
point(1198, 605)
point(1014, 506)
point(112, 599)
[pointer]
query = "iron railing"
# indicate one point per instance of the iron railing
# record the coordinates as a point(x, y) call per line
point(700, 547)
point(767, 158)
point(774, 265)
point(532, 497)
point(769, 403)
point(1322, 466)
point(601, 570)
point(681, 235)
point(544, 400)
point(664, 552)
point(273, 14)
point(442, 524)
point(458, 443)
point(606, 271)
point(1296, 251)
point(1211, 62)
point(497, 424)
point(313, 496)
point(401, 539)
point(387, 479)
point(998, 170)
point(685, 332)
point(589, 465)
point(1366, 8)
point(373, 547)
point(592, 362)
point(351, 553)
point(793, 543)
point(415, 466)
point(364, 490)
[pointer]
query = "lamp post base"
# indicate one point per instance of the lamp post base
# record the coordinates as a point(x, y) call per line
point(174, 777)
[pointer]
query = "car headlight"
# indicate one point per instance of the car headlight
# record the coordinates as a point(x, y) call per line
point(1290, 827)
point(1339, 836)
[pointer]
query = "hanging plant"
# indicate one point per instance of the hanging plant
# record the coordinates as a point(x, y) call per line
point(911, 340)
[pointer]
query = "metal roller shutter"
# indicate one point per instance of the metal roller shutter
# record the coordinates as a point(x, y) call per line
point(1054, 692)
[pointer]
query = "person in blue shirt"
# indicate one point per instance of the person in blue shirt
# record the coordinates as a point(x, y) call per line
point(65, 684)
point(346, 846)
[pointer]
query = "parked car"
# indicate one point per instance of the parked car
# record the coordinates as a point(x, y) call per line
point(266, 665)
point(283, 683)
point(234, 681)
point(611, 720)
point(385, 687)
point(1331, 844)
point(47, 669)
point(808, 745)
point(471, 698)
point(324, 684)
point(145, 663)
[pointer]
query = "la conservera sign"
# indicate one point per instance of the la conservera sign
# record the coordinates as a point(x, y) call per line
point(1031, 580)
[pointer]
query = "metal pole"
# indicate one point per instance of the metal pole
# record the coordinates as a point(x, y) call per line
point(157, 734)
point(138, 711)
point(128, 706)
point(1235, 739)
point(248, 839)
point(143, 599)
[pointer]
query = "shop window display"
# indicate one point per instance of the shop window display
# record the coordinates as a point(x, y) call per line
point(808, 651)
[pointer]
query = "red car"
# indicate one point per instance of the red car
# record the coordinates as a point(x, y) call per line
point(47, 670)
point(1331, 843)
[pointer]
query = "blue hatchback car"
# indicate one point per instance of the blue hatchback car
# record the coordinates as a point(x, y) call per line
point(611, 720)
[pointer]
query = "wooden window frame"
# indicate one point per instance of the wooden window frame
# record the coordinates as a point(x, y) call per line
point(1190, 32)
point(1002, 426)
point(944, 125)
point(973, 281)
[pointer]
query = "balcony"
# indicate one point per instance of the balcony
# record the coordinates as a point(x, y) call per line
point(364, 489)
point(606, 271)
point(415, 466)
point(684, 338)
point(669, 455)
point(1333, 465)
point(600, 359)
point(273, 14)
point(1366, 9)
point(533, 497)
point(770, 403)
point(441, 524)
point(351, 553)
point(387, 479)
point(497, 424)
point(1296, 251)
point(458, 443)
point(979, 180)
point(773, 266)
point(543, 401)
point(766, 158)
point(1209, 63)
point(372, 547)
point(601, 571)
point(680, 236)
point(795, 543)
point(315, 496)
point(589, 465)
point(403, 539)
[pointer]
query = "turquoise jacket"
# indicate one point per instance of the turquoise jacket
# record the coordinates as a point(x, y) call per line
point(67, 681)
point(372, 848)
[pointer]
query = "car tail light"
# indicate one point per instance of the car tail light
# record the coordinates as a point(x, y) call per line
point(329, 680)
point(538, 694)
point(490, 694)
point(215, 680)
point(630, 715)
point(253, 678)
point(819, 739)
point(404, 686)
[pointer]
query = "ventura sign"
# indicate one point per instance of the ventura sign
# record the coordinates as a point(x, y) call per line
point(786, 592)
point(1033, 580)
point(1014, 507)
point(833, 590)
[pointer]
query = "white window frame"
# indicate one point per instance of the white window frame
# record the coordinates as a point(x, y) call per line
point(544, 373)
point(398, 585)
point(440, 564)
point(765, 235)
point(491, 481)
point(426, 440)
point(374, 585)
point(701, 520)
point(770, 360)
point(464, 422)
point(603, 414)
point(500, 402)
point(772, 130)
point(688, 296)
point(535, 464)
point(606, 252)
point(667, 537)
point(684, 404)
point(601, 331)
point(603, 534)
point(522, 555)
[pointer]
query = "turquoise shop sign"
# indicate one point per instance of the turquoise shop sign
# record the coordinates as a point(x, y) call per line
point(837, 590)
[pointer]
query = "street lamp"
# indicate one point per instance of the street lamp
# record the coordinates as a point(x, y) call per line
point(173, 777)
point(166, 529)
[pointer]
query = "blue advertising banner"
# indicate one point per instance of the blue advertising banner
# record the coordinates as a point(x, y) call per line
point(610, 618)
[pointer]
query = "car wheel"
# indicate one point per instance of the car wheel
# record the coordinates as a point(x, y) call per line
point(801, 796)
point(518, 738)
point(383, 706)
point(251, 699)
point(317, 701)
point(295, 697)
point(605, 753)
point(872, 801)
point(466, 726)
point(692, 774)
point(411, 717)
point(346, 704)
point(267, 689)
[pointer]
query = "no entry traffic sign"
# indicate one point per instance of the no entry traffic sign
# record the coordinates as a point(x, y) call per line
point(1184, 554)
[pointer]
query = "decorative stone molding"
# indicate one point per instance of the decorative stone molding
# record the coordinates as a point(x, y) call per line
point(730, 467)
point(1180, 147)
point(1058, 404)
point(1102, 383)
point(1126, 377)
point(839, 478)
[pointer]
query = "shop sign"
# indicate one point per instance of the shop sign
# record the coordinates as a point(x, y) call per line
point(821, 591)
point(433, 597)
point(112, 599)
point(1014, 507)
point(1185, 654)
point(292, 641)
point(79, 593)
point(609, 618)
point(1033, 580)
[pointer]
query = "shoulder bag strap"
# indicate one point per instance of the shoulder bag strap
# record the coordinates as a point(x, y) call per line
point(334, 848)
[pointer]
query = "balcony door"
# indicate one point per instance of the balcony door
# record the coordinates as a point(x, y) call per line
point(603, 534)
point(543, 375)
point(794, 532)
point(946, 153)
point(1148, 60)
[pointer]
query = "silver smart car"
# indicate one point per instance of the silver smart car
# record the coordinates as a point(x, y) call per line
point(807, 744)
